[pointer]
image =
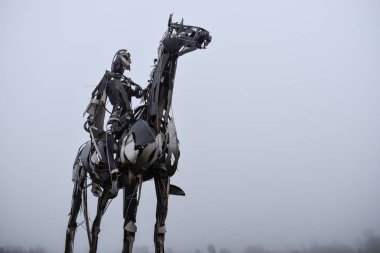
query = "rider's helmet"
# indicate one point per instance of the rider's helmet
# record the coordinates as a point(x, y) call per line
point(121, 61)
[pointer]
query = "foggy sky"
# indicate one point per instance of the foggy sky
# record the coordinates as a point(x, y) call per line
point(277, 119)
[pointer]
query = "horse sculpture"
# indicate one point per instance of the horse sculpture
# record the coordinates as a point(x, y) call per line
point(147, 149)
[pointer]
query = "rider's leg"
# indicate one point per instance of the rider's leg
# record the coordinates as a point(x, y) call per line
point(162, 193)
point(112, 166)
point(131, 184)
point(75, 206)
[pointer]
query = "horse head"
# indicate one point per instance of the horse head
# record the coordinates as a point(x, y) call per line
point(181, 39)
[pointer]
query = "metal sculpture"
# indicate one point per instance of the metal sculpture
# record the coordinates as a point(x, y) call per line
point(138, 145)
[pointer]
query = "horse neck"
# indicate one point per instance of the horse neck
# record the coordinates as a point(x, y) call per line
point(161, 90)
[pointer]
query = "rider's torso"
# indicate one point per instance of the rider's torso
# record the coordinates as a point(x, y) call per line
point(119, 93)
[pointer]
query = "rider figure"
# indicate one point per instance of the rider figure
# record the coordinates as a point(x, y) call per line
point(118, 89)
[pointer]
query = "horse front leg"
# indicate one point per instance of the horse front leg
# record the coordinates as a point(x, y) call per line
point(79, 178)
point(101, 208)
point(131, 184)
point(162, 193)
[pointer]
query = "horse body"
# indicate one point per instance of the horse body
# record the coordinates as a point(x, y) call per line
point(147, 149)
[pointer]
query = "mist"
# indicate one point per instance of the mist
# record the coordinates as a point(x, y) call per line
point(277, 120)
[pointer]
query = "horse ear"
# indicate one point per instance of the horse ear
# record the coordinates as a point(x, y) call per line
point(170, 19)
point(181, 29)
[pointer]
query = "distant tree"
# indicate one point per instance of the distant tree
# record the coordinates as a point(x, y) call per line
point(196, 251)
point(254, 249)
point(223, 250)
point(211, 248)
point(13, 249)
point(18, 249)
point(142, 249)
point(371, 243)
point(38, 249)
point(331, 248)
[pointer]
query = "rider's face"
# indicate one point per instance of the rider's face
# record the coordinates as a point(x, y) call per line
point(126, 62)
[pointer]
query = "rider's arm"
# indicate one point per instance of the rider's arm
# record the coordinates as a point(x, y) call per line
point(135, 89)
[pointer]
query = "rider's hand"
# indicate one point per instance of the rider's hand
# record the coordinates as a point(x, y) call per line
point(138, 89)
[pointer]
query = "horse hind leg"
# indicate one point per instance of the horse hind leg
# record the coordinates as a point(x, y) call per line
point(162, 193)
point(79, 178)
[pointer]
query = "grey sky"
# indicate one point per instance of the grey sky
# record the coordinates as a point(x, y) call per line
point(278, 119)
